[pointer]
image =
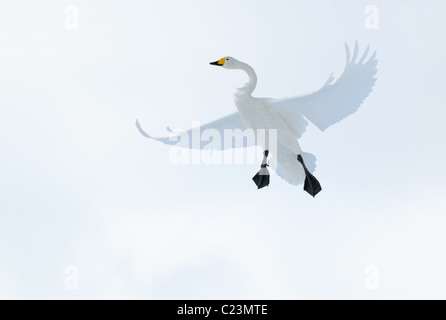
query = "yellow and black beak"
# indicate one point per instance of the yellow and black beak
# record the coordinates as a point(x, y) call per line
point(220, 62)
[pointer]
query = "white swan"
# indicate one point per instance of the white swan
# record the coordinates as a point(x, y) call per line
point(327, 106)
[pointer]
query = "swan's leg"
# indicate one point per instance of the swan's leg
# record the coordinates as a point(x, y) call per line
point(261, 179)
point(312, 186)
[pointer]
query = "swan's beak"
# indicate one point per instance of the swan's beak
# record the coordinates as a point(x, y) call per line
point(218, 63)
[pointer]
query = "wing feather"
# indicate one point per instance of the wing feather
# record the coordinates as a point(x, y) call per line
point(334, 101)
point(215, 129)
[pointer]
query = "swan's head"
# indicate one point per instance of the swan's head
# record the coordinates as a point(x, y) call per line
point(227, 63)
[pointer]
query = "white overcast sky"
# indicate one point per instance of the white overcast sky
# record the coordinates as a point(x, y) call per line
point(79, 186)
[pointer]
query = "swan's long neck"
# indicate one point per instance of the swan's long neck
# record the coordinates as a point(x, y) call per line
point(252, 83)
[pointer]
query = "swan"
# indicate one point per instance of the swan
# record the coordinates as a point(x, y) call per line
point(333, 102)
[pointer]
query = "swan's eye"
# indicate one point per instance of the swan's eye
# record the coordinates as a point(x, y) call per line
point(227, 59)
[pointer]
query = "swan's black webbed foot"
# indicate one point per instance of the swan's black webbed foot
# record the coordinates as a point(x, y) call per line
point(312, 186)
point(261, 179)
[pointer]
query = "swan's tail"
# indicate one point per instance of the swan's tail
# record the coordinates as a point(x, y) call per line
point(290, 169)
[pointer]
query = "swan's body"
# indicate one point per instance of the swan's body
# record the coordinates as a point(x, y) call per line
point(258, 113)
point(332, 103)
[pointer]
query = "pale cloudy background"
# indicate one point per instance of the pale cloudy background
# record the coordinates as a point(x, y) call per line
point(91, 209)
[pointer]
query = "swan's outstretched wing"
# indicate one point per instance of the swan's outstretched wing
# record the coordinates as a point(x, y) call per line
point(209, 136)
point(335, 100)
